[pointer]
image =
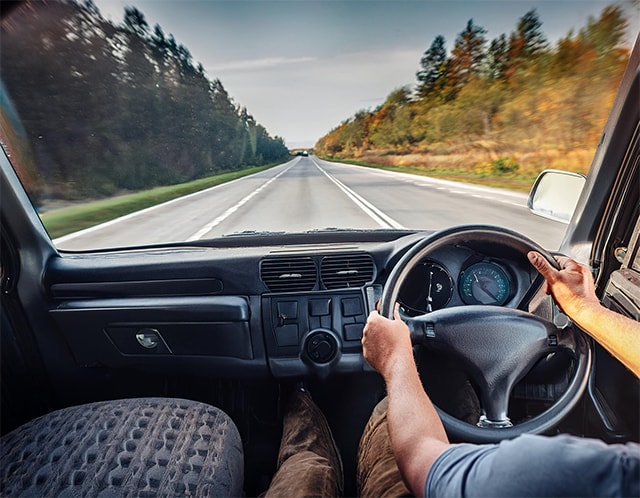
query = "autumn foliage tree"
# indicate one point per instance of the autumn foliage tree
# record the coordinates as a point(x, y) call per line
point(466, 57)
point(516, 92)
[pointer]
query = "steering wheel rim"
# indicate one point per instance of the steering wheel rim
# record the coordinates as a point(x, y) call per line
point(423, 332)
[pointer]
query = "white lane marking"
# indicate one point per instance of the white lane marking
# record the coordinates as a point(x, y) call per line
point(489, 193)
point(512, 203)
point(494, 199)
point(497, 192)
point(374, 213)
point(126, 217)
point(216, 221)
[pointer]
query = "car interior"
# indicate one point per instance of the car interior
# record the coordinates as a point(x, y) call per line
point(207, 337)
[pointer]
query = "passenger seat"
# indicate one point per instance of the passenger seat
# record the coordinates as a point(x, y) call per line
point(129, 447)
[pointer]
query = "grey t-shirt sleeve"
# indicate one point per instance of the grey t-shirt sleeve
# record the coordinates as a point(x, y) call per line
point(533, 465)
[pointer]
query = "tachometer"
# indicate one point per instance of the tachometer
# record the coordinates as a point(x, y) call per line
point(427, 288)
point(485, 283)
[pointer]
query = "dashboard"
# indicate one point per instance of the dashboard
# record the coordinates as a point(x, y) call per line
point(290, 310)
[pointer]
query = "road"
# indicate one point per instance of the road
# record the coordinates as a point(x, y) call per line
point(307, 193)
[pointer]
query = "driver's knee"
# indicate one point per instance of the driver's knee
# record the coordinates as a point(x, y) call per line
point(377, 472)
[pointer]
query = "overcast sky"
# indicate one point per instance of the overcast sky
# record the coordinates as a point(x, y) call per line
point(303, 66)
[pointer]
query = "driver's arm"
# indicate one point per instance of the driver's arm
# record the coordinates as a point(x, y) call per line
point(573, 289)
point(416, 431)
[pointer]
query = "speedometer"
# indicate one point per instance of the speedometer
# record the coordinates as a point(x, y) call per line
point(427, 288)
point(485, 283)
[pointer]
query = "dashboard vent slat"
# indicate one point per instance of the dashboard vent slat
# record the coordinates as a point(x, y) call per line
point(346, 270)
point(288, 274)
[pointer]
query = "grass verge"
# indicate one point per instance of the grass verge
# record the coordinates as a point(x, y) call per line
point(519, 183)
point(71, 219)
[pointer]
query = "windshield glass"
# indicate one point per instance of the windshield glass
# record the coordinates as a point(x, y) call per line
point(149, 122)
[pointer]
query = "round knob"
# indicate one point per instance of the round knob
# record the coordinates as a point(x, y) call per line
point(321, 347)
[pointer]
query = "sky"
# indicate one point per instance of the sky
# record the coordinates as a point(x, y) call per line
point(301, 67)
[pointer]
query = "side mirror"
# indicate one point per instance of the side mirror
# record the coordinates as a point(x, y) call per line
point(554, 194)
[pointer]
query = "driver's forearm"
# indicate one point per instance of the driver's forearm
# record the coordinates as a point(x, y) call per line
point(615, 332)
point(416, 431)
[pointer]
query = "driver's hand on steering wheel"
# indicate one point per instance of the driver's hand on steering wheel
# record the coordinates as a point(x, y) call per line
point(572, 286)
point(386, 343)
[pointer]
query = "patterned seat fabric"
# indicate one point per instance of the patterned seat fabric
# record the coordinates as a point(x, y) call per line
point(131, 447)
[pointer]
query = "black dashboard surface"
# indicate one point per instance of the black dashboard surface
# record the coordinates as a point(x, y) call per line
point(245, 310)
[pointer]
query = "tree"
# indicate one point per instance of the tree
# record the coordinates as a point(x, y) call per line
point(496, 61)
point(135, 22)
point(389, 125)
point(398, 98)
point(186, 59)
point(596, 48)
point(432, 66)
point(527, 41)
point(141, 115)
point(606, 33)
point(557, 97)
point(467, 55)
point(158, 38)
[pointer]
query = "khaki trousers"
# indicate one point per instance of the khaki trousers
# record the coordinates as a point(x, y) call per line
point(309, 463)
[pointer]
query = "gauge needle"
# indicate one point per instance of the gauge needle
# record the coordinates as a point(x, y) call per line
point(483, 287)
point(429, 298)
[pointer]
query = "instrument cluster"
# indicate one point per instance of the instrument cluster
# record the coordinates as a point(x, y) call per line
point(431, 286)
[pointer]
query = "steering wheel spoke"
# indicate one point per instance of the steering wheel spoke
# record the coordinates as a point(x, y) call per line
point(497, 347)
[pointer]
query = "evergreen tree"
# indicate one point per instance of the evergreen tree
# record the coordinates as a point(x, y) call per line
point(496, 61)
point(158, 38)
point(120, 108)
point(432, 67)
point(526, 42)
point(135, 22)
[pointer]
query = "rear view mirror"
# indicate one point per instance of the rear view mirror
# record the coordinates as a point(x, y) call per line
point(554, 194)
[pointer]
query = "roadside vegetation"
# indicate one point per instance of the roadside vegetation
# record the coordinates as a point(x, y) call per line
point(496, 111)
point(127, 108)
point(73, 218)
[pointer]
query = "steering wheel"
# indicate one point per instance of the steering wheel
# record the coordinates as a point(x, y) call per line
point(496, 346)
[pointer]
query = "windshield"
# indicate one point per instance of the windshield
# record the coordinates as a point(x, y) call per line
point(150, 122)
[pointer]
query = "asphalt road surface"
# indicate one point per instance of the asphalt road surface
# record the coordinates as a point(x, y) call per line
point(307, 193)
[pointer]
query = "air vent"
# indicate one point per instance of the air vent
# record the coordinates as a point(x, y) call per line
point(346, 270)
point(288, 274)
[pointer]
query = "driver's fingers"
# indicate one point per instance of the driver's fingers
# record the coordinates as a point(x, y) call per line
point(568, 263)
point(540, 264)
point(396, 312)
